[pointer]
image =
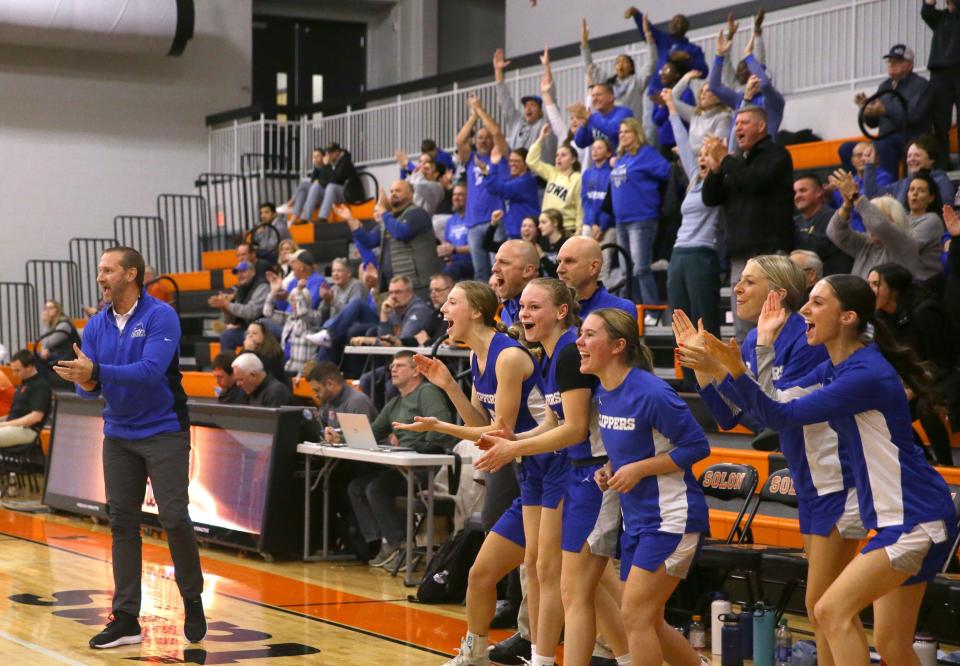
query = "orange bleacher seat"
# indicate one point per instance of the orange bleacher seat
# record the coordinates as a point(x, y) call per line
point(218, 259)
point(302, 234)
point(195, 281)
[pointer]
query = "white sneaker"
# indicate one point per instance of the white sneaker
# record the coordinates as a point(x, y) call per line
point(321, 338)
point(651, 320)
point(464, 658)
point(285, 209)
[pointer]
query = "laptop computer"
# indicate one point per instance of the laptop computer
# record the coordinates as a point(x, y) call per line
point(358, 434)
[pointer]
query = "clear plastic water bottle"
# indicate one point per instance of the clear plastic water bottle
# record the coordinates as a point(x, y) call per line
point(696, 633)
point(784, 652)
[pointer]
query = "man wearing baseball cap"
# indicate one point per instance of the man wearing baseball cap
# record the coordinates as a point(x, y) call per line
point(887, 114)
point(521, 124)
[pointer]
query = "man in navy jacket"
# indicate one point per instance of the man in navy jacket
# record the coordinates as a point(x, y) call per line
point(130, 357)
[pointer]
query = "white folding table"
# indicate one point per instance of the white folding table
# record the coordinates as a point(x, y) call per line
point(406, 462)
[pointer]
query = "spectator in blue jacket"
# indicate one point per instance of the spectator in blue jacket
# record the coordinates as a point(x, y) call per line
point(759, 90)
point(604, 122)
point(480, 202)
point(594, 184)
point(429, 148)
point(669, 42)
point(454, 250)
point(635, 184)
point(131, 358)
point(513, 183)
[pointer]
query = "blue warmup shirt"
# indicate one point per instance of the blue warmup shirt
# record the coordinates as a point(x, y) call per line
point(602, 126)
point(635, 185)
point(140, 376)
point(486, 384)
point(639, 419)
point(594, 183)
point(520, 195)
point(455, 233)
point(480, 202)
point(793, 360)
point(817, 464)
point(602, 298)
point(561, 375)
point(863, 400)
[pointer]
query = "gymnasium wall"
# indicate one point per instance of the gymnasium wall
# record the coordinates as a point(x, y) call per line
point(86, 136)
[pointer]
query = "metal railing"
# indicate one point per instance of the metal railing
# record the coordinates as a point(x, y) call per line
point(56, 279)
point(229, 206)
point(146, 234)
point(187, 222)
point(85, 253)
point(270, 177)
point(19, 315)
point(819, 49)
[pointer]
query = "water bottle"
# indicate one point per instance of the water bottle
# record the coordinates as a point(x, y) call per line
point(746, 631)
point(731, 646)
point(696, 634)
point(719, 606)
point(784, 654)
point(925, 647)
point(764, 628)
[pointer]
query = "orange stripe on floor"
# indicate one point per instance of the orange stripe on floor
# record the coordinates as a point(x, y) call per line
point(399, 621)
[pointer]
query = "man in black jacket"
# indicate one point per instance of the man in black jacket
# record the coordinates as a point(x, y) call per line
point(944, 66)
point(262, 389)
point(756, 192)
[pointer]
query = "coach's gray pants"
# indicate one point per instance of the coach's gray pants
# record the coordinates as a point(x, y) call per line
point(127, 464)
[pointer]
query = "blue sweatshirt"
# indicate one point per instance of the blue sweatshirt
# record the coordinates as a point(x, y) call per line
point(140, 376)
point(593, 190)
point(520, 195)
point(602, 126)
point(635, 184)
point(769, 98)
point(862, 398)
point(480, 202)
point(666, 44)
point(455, 233)
point(881, 177)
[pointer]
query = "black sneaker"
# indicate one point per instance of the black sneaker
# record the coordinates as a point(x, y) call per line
point(511, 651)
point(194, 623)
point(122, 629)
point(505, 617)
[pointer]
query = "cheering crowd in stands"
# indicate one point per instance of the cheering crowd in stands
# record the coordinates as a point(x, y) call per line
point(681, 164)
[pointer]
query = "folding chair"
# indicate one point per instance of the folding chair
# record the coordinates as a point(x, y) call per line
point(731, 485)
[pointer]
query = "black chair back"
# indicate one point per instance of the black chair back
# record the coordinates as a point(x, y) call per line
point(777, 488)
point(731, 481)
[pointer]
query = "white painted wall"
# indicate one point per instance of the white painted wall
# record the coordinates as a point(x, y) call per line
point(86, 136)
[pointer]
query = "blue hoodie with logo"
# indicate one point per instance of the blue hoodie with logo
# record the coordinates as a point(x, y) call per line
point(139, 369)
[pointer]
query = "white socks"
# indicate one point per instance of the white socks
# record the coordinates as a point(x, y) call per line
point(624, 660)
point(542, 661)
point(475, 646)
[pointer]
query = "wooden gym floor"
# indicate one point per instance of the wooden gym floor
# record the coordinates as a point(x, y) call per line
point(55, 590)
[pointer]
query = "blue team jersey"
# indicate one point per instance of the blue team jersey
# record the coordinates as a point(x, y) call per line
point(863, 399)
point(485, 384)
point(639, 419)
point(817, 464)
point(550, 385)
